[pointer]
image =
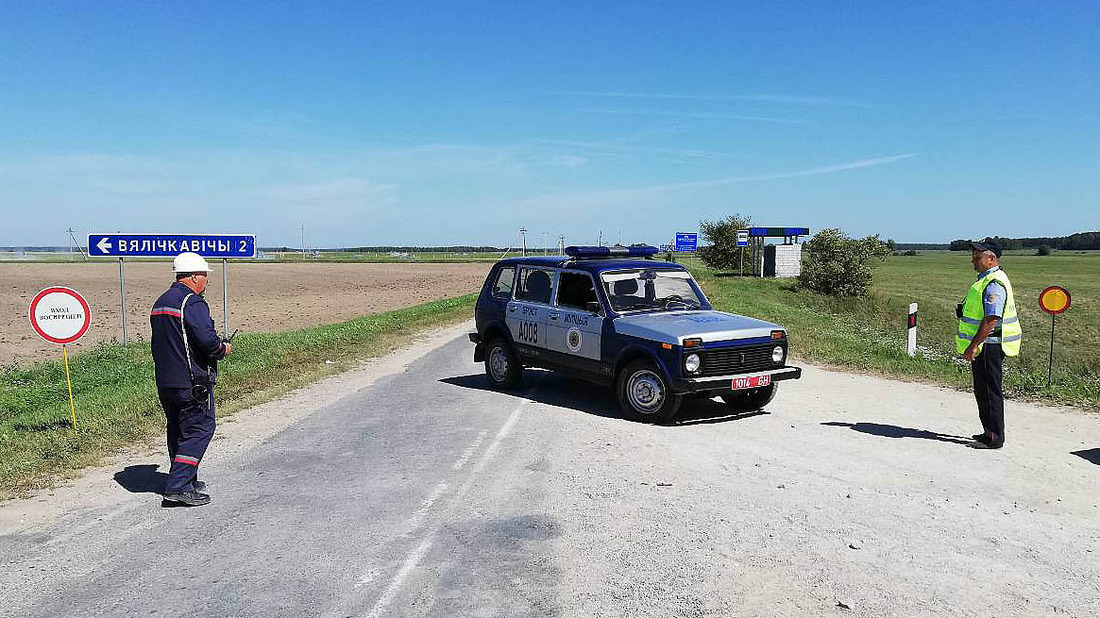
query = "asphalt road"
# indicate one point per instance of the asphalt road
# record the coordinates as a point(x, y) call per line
point(425, 494)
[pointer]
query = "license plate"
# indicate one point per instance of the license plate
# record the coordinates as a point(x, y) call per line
point(751, 382)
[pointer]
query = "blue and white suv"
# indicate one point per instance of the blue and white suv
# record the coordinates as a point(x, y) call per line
point(616, 316)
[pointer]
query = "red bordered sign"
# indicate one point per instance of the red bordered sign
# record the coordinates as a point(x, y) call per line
point(60, 315)
point(1054, 299)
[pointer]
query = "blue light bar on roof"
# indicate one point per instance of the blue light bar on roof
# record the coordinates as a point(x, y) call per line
point(588, 252)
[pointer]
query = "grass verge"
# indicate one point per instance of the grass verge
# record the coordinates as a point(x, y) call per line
point(116, 400)
point(867, 334)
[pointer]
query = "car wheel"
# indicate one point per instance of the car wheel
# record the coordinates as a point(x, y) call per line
point(750, 400)
point(644, 394)
point(501, 365)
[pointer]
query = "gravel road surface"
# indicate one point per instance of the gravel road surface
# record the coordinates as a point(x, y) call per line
point(405, 488)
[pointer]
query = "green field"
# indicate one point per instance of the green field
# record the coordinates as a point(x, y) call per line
point(868, 334)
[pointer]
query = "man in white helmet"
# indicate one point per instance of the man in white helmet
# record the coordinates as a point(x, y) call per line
point(186, 351)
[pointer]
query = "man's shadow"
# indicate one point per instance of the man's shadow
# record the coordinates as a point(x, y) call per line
point(893, 431)
point(1092, 454)
point(143, 479)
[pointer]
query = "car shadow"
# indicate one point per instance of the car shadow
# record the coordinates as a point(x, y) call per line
point(142, 479)
point(582, 396)
point(1092, 454)
point(893, 431)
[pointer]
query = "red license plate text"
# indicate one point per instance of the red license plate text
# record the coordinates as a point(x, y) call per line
point(751, 382)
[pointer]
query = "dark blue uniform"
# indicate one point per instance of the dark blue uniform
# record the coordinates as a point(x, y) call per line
point(190, 420)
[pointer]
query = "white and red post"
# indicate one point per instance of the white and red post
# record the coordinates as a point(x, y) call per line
point(911, 330)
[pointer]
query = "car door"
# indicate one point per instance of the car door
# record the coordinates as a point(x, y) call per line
point(528, 311)
point(575, 322)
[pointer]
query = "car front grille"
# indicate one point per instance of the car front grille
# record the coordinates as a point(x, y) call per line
point(743, 359)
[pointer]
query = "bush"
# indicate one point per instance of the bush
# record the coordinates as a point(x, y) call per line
point(723, 252)
point(1043, 250)
point(836, 265)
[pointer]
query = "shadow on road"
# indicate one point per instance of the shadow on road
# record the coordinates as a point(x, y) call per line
point(575, 394)
point(1092, 454)
point(893, 431)
point(143, 479)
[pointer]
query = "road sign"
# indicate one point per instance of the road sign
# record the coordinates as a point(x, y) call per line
point(60, 315)
point(687, 241)
point(779, 231)
point(1054, 299)
point(171, 245)
point(742, 238)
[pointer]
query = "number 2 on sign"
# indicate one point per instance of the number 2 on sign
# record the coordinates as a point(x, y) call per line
point(529, 332)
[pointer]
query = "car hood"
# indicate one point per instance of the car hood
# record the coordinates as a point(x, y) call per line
point(675, 326)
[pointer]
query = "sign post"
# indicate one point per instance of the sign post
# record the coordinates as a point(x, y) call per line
point(911, 328)
point(60, 315)
point(1053, 300)
point(224, 246)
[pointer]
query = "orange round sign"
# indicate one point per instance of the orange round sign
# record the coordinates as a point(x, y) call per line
point(1054, 299)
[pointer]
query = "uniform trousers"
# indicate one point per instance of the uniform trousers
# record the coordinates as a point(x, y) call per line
point(190, 429)
point(988, 369)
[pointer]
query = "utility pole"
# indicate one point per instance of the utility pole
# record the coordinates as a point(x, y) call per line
point(523, 241)
point(303, 230)
point(561, 245)
point(599, 239)
point(545, 250)
point(74, 242)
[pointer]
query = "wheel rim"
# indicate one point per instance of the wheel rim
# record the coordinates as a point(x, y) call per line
point(645, 391)
point(498, 364)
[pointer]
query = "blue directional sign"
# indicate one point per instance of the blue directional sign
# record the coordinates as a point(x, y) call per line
point(687, 241)
point(742, 238)
point(171, 245)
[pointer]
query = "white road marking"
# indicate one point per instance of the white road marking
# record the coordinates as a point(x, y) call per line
point(414, 558)
point(469, 452)
point(399, 580)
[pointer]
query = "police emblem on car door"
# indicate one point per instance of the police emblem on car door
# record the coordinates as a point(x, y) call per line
point(575, 323)
point(528, 312)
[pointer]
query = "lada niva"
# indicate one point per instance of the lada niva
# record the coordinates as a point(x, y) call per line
point(617, 316)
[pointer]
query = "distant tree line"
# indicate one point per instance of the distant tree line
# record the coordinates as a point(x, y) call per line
point(397, 249)
point(1079, 241)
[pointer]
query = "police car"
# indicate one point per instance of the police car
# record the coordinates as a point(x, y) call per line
point(617, 316)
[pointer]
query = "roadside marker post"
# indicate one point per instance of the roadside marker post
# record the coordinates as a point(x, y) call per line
point(224, 246)
point(61, 316)
point(911, 330)
point(1054, 300)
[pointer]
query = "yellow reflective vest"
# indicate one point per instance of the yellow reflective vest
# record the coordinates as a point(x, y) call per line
point(1008, 335)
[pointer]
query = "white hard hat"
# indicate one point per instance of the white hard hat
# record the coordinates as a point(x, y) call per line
point(189, 263)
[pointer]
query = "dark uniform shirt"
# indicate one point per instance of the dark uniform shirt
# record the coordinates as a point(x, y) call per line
point(169, 358)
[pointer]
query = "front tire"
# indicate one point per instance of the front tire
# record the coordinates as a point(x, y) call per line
point(501, 365)
point(644, 394)
point(750, 400)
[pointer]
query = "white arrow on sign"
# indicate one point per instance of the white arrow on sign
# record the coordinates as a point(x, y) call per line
point(103, 245)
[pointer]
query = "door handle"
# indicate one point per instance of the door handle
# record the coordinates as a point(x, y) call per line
point(554, 316)
point(511, 309)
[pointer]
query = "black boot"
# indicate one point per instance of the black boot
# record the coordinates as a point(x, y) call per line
point(186, 498)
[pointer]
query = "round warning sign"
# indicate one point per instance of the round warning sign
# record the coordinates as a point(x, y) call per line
point(60, 315)
point(1054, 299)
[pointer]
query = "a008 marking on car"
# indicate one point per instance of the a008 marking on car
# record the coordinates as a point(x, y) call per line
point(751, 382)
point(529, 332)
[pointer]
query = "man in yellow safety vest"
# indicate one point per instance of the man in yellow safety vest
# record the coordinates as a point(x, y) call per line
point(989, 330)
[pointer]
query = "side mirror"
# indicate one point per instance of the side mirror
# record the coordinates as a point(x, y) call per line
point(592, 306)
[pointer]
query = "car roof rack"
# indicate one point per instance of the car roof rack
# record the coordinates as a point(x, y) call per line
point(588, 252)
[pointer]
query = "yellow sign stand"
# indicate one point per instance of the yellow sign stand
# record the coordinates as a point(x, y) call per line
point(68, 382)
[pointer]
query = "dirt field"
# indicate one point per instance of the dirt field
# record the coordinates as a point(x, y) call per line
point(263, 297)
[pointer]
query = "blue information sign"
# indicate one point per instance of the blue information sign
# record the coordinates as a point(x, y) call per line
point(687, 241)
point(171, 245)
point(742, 238)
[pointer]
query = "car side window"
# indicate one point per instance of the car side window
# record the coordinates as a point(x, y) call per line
point(575, 290)
point(502, 287)
point(533, 285)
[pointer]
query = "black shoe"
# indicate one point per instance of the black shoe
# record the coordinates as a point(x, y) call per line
point(185, 498)
point(199, 485)
point(985, 444)
point(978, 437)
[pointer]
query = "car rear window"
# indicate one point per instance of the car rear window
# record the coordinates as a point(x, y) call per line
point(502, 287)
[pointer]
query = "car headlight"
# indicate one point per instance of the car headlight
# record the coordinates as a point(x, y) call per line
point(692, 363)
point(778, 354)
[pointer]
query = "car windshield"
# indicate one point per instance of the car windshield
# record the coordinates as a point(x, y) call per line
point(650, 290)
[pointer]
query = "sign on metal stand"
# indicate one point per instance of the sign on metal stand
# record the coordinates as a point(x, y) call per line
point(1053, 300)
point(224, 246)
point(60, 315)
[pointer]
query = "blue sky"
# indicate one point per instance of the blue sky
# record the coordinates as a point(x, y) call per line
point(445, 123)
